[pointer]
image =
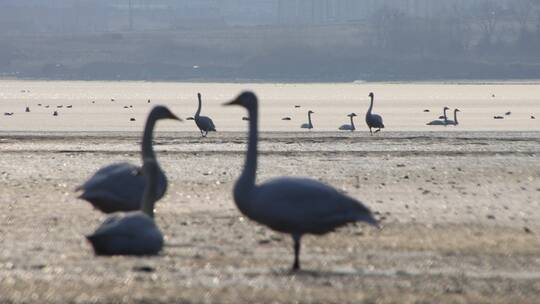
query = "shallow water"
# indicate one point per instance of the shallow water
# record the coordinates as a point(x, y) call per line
point(401, 105)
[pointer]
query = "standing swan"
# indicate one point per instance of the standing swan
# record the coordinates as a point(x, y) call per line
point(132, 233)
point(308, 125)
point(455, 121)
point(296, 206)
point(439, 122)
point(204, 123)
point(373, 120)
point(350, 127)
point(120, 187)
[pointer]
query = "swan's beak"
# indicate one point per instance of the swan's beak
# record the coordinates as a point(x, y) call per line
point(232, 102)
point(176, 117)
point(190, 118)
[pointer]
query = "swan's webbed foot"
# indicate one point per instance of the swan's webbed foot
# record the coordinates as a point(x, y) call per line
point(378, 130)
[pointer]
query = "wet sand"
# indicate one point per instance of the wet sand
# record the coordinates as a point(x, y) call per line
point(459, 212)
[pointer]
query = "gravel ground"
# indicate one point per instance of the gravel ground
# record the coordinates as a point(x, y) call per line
point(459, 212)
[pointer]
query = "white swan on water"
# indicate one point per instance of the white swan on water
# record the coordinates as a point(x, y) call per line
point(347, 127)
point(439, 122)
point(296, 206)
point(308, 125)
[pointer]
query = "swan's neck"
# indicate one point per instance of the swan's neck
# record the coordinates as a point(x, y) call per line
point(250, 168)
point(352, 123)
point(455, 117)
point(444, 114)
point(370, 106)
point(147, 149)
point(199, 108)
point(309, 120)
point(151, 177)
point(246, 182)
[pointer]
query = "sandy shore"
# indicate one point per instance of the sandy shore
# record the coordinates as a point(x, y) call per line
point(459, 209)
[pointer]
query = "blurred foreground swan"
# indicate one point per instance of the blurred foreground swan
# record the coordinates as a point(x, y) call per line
point(296, 206)
point(132, 233)
point(119, 187)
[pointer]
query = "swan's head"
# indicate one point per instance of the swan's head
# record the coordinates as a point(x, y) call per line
point(199, 96)
point(352, 115)
point(457, 110)
point(446, 108)
point(371, 95)
point(190, 118)
point(246, 99)
point(162, 112)
point(310, 112)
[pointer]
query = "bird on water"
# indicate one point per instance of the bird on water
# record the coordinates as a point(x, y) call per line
point(455, 121)
point(135, 232)
point(309, 124)
point(347, 127)
point(440, 122)
point(120, 186)
point(296, 206)
point(373, 120)
point(204, 123)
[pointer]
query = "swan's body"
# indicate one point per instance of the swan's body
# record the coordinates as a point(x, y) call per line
point(308, 125)
point(204, 123)
point(439, 122)
point(373, 120)
point(296, 206)
point(347, 127)
point(132, 233)
point(120, 187)
point(455, 121)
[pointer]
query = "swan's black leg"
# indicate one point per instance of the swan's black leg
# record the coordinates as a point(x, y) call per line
point(370, 131)
point(378, 130)
point(296, 240)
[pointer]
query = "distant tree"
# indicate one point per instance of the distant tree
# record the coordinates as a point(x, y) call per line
point(487, 14)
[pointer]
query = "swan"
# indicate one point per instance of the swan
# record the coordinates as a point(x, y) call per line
point(348, 127)
point(308, 125)
point(439, 122)
point(373, 120)
point(455, 121)
point(204, 123)
point(120, 186)
point(291, 205)
point(135, 232)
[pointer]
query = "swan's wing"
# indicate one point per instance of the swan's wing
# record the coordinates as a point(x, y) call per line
point(206, 124)
point(118, 187)
point(435, 123)
point(377, 120)
point(305, 205)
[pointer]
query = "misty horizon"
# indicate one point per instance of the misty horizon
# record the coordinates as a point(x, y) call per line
point(270, 40)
